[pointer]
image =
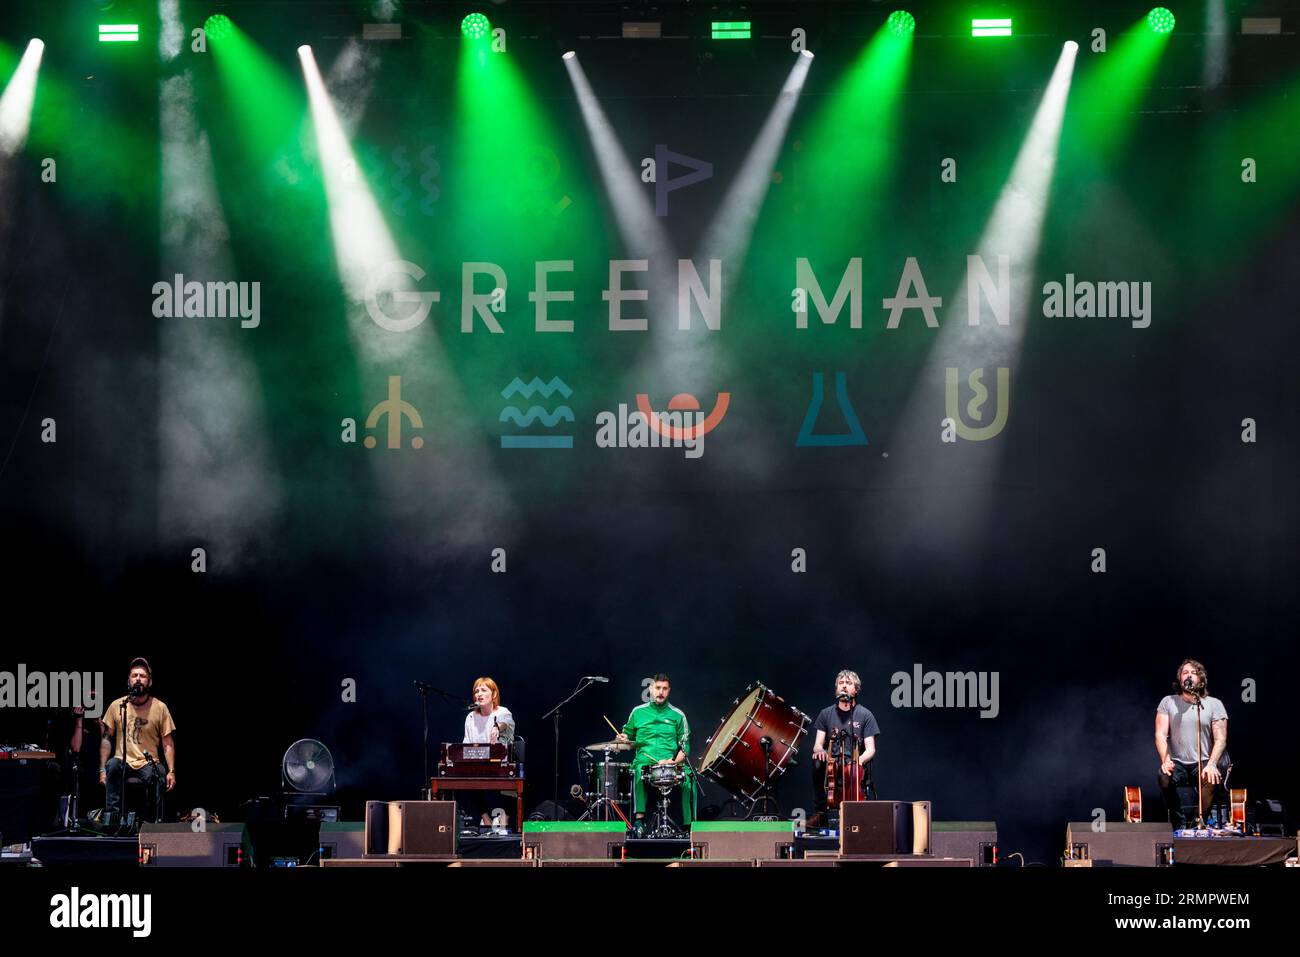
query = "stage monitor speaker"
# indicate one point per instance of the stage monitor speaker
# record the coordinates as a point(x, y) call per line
point(875, 827)
point(1120, 845)
point(927, 860)
point(410, 827)
point(977, 840)
point(921, 836)
point(178, 845)
point(573, 840)
point(343, 839)
point(742, 840)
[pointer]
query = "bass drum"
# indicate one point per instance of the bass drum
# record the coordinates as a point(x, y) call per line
point(733, 755)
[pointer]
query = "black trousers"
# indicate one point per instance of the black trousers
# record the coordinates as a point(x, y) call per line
point(151, 776)
point(1184, 775)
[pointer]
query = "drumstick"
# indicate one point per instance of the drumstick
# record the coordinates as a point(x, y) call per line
point(611, 725)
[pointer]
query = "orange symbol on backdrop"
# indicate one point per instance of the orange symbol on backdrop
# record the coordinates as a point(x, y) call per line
point(683, 402)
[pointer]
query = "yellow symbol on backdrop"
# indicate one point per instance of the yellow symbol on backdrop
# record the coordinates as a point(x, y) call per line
point(394, 407)
point(975, 407)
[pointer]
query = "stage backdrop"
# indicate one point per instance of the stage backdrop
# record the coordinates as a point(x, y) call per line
point(326, 372)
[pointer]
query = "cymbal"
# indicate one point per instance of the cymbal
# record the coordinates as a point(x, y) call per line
point(614, 746)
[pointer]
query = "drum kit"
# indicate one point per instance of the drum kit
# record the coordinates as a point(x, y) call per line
point(754, 744)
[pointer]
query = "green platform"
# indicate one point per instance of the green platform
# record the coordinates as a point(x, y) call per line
point(574, 827)
point(705, 827)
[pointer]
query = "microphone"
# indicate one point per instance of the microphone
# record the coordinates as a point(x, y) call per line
point(1188, 684)
point(595, 678)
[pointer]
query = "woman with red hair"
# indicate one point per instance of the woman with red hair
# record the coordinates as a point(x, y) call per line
point(488, 723)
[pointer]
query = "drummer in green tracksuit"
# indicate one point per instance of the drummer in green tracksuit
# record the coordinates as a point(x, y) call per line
point(667, 737)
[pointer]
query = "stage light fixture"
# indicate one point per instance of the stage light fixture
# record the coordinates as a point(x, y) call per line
point(642, 30)
point(475, 27)
point(731, 29)
point(1161, 20)
point(1260, 25)
point(217, 26)
point(119, 32)
point(991, 27)
point(901, 23)
point(569, 54)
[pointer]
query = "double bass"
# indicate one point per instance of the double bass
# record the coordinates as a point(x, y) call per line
point(844, 775)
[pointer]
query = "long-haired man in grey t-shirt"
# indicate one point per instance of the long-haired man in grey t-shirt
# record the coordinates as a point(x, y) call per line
point(1186, 734)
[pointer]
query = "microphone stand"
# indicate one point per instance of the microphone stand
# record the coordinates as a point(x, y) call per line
point(1200, 812)
point(423, 690)
point(583, 685)
point(121, 797)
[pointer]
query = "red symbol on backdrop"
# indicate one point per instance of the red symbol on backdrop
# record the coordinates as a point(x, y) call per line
point(683, 402)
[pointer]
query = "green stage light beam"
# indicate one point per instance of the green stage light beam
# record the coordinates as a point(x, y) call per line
point(16, 102)
point(1110, 93)
point(504, 151)
point(850, 146)
point(264, 101)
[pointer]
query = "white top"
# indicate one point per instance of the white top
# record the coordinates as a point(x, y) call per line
point(478, 726)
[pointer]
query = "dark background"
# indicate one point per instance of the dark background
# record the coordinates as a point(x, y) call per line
point(627, 562)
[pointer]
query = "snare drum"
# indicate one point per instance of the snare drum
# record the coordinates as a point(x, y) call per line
point(733, 755)
point(663, 777)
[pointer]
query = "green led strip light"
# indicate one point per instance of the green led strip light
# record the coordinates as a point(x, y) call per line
point(119, 32)
point(990, 28)
point(731, 29)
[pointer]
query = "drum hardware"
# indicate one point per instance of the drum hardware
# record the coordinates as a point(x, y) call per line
point(606, 787)
point(664, 778)
point(614, 746)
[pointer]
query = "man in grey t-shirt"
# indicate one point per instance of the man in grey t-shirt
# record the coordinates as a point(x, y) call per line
point(1181, 740)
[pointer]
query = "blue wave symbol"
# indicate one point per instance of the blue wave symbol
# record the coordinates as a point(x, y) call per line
point(527, 389)
point(536, 414)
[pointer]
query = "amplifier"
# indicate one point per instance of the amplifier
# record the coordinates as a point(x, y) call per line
point(410, 827)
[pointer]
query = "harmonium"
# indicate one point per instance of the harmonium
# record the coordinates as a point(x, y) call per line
point(476, 761)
